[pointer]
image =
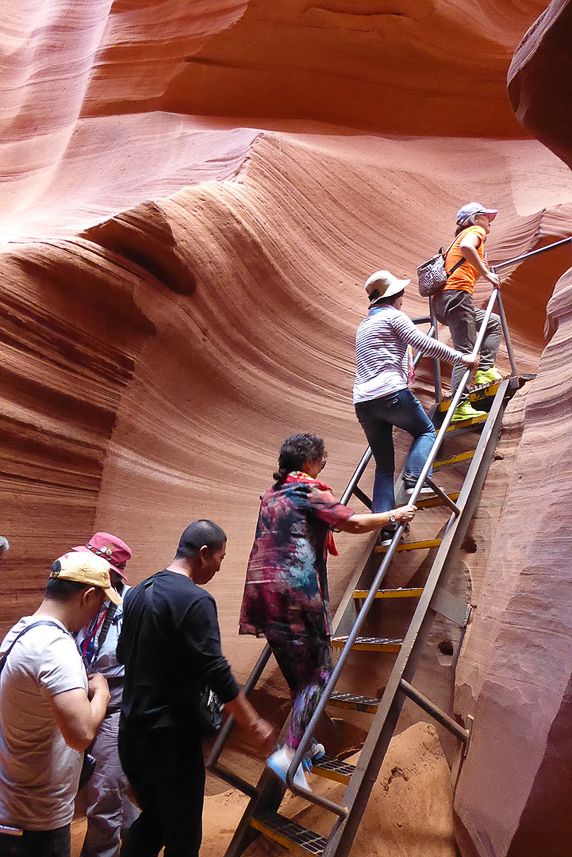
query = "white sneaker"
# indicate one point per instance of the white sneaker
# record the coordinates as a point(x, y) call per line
point(386, 537)
point(279, 762)
point(316, 750)
point(314, 754)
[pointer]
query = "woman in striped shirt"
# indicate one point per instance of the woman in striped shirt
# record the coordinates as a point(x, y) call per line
point(381, 395)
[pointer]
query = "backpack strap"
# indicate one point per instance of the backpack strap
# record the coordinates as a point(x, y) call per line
point(109, 616)
point(4, 656)
point(457, 264)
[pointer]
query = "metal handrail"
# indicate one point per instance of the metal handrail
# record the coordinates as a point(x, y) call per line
point(342, 811)
point(212, 761)
point(531, 254)
point(436, 363)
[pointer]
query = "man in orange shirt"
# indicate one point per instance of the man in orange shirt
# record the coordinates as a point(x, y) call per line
point(453, 304)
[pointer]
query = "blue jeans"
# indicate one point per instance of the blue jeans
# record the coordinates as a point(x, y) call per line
point(377, 418)
point(37, 843)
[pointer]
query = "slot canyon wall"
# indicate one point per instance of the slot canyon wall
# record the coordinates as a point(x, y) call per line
point(192, 196)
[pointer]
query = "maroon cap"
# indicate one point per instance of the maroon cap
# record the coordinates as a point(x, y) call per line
point(109, 547)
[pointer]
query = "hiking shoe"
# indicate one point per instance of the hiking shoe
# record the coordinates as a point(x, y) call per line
point(314, 754)
point(487, 376)
point(465, 411)
point(316, 750)
point(386, 537)
point(279, 762)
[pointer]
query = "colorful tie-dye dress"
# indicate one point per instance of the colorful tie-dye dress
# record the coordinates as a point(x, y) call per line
point(286, 583)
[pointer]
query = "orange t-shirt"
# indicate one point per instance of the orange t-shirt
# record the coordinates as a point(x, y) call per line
point(466, 274)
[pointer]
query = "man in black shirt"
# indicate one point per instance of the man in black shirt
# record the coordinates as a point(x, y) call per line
point(170, 645)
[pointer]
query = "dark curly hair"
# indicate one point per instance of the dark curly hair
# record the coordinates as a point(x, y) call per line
point(376, 299)
point(296, 450)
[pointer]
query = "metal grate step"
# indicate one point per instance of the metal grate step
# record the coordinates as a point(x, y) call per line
point(454, 460)
point(333, 769)
point(289, 833)
point(361, 594)
point(354, 702)
point(411, 546)
point(369, 644)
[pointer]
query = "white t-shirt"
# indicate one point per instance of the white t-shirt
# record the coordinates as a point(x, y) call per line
point(39, 773)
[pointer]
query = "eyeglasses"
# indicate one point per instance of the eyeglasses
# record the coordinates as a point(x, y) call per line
point(323, 463)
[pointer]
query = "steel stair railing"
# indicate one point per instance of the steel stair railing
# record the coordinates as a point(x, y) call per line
point(354, 633)
point(432, 600)
point(224, 734)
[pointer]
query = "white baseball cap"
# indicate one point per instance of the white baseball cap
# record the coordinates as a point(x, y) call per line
point(472, 208)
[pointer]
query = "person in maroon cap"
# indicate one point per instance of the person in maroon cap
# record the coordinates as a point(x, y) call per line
point(110, 812)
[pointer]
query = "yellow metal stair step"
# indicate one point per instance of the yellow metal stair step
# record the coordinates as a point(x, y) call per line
point(411, 546)
point(333, 769)
point(361, 594)
point(354, 702)
point(289, 833)
point(485, 391)
point(454, 459)
point(369, 644)
point(463, 424)
point(432, 502)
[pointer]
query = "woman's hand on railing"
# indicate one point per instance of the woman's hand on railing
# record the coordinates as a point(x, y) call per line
point(470, 360)
point(405, 513)
point(493, 278)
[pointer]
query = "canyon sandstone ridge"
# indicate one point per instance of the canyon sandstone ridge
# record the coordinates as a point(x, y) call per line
point(192, 196)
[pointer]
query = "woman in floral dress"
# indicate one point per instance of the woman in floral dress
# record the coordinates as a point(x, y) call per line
point(286, 592)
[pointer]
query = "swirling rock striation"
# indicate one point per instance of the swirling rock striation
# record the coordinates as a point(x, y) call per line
point(179, 294)
point(540, 79)
point(515, 672)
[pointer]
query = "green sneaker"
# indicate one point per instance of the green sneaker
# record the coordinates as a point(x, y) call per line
point(465, 411)
point(487, 376)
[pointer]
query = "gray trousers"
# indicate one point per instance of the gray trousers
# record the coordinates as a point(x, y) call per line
point(455, 308)
point(109, 812)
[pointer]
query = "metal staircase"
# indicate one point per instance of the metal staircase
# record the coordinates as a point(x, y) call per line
point(365, 590)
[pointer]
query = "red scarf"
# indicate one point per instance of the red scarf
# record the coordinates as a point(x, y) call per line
point(300, 476)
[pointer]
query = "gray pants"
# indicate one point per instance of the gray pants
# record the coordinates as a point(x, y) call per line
point(455, 308)
point(109, 812)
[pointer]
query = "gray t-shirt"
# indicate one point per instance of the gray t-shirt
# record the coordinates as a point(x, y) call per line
point(39, 773)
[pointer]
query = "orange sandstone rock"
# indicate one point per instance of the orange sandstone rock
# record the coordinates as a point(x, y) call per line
point(409, 812)
point(179, 294)
point(515, 671)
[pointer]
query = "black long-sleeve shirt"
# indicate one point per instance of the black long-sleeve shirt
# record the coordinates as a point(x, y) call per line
point(170, 652)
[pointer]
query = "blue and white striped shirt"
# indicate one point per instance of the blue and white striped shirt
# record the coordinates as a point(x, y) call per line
point(381, 352)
